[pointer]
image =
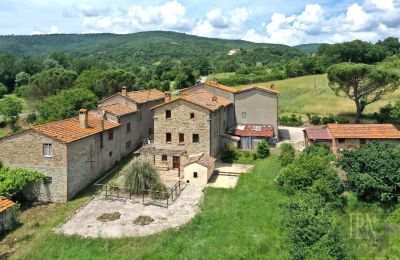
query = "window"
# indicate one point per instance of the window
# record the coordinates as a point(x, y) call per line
point(195, 175)
point(341, 140)
point(363, 141)
point(196, 138)
point(167, 113)
point(47, 180)
point(128, 145)
point(150, 131)
point(101, 140)
point(168, 137)
point(110, 153)
point(244, 114)
point(47, 151)
point(128, 127)
point(181, 138)
point(224, 124)
point(164, 158)
point(110, 135)
point(191, 115)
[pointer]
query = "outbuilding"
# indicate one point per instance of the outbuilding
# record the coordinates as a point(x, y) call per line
point(5, 215)
point(199, 169)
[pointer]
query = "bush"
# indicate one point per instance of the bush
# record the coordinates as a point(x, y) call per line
point(263, 150)
point(141, 175)
point(159, 191)
point(290, 121)
point(315, 120)
point(229, 154)
point(287, 155)
point(13, 180)
point(342, 120)
point(31, 119)
point(319, 150)
point(3, 90)
point(328, 120)
point(373, 172)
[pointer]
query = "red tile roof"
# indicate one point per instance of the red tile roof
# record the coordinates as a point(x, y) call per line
point(119, 109)
point(146, 95)
point(226, 88)
point(68, 130)
point(270, 90)
point(202, 159)
point(366, 131)
point(252, 130)
point(318, 134)
point(202, 99)
point(5, 204)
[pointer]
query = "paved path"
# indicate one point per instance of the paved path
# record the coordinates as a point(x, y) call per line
point(84, 222)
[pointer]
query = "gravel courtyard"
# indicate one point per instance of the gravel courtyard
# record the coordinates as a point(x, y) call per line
point(85, 223)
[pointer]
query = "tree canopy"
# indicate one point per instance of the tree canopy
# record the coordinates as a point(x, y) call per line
point(362, 83)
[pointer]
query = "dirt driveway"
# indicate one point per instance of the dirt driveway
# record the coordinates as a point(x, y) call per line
point(84, 222)
point(226, 175)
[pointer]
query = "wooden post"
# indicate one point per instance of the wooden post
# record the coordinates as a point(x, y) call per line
point(142, 197)
point(106, 191)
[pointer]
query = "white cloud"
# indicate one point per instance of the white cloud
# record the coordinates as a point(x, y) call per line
point(52, 30)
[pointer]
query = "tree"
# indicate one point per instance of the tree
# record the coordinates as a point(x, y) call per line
point(364, 84)
point(229, 154)
point(29, 65)
point(66, 104)
point(263, 150)
point(7, 71)
point(21, 79)
point(10, 108)
point(287, 155)
point(49, 82)
point(141, 175)
point(3, 90)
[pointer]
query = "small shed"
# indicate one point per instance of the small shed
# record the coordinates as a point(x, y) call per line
point(199, 168)
point(250, 135)
point(5, 215)
point(317, 136)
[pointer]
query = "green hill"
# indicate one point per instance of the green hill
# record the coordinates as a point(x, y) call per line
point(308, 48)
point(146, 47)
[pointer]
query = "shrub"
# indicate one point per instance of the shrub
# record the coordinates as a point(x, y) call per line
point(328, 120)
point(263, 150)
point(373, 172)
point(159, 191)
point(342, 120)
point(319, 150)
point(315, 120)
point(31, 119)
point(141, 175)
point(13, 180)
point(287, 155)
point(3, 90)
point(290, 121)
point(229, 154)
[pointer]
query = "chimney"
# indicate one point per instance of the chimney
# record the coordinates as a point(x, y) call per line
point(124, 91)
point(103, 115)
point(167, 96)
point(83, 118)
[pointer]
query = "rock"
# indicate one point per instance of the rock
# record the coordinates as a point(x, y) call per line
point(106, 217)
point(143, 220)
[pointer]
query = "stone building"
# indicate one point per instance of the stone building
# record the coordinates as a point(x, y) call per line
point(5, 215)
point(74, 152)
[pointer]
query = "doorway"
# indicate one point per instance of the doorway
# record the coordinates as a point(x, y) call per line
point(176, 162)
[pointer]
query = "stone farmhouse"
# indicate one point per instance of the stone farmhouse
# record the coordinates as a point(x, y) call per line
point(351, 136)
point(72, 153)
point(205, 118)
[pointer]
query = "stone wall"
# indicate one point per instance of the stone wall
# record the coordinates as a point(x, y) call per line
point(213, 90)
point(180, 122)
point(119, 100)
point(133, 136)
point(25, 150)
point(146, 122)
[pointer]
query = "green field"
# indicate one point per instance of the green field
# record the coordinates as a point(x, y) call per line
point(301, 95)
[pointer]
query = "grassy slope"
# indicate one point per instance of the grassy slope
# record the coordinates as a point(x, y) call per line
point(298, 95)
point(233, 223)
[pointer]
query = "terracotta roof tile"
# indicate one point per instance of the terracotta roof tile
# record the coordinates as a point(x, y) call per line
point(367, 131)
point(5, 204)
point(318, 133)
point(68, 130)
point(202, 159)
point(252, 130)
point(226, 88)
point(270, 90)
point(143, 96)
point(119, 109)
point(202, 99)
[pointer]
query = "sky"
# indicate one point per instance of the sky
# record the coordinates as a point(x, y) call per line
point(268, 21)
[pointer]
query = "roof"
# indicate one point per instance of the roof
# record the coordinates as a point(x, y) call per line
point(150, 149)
point(202, 159)
point(252, 130)
point(364, 131)
point(146, 95)
point(203, 99)
point(226, 88)
point(119, 109)
point(318, 133)
point(68, 130)
point(269, 90)
point(5, 204)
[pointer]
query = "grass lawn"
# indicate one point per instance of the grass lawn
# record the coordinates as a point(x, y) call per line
point(244, 222)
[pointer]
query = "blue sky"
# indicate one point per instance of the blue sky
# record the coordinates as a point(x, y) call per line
point(272, 21)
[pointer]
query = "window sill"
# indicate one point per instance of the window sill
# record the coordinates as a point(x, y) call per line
point(181, 143)
point(48, 157)
point(168, 142)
